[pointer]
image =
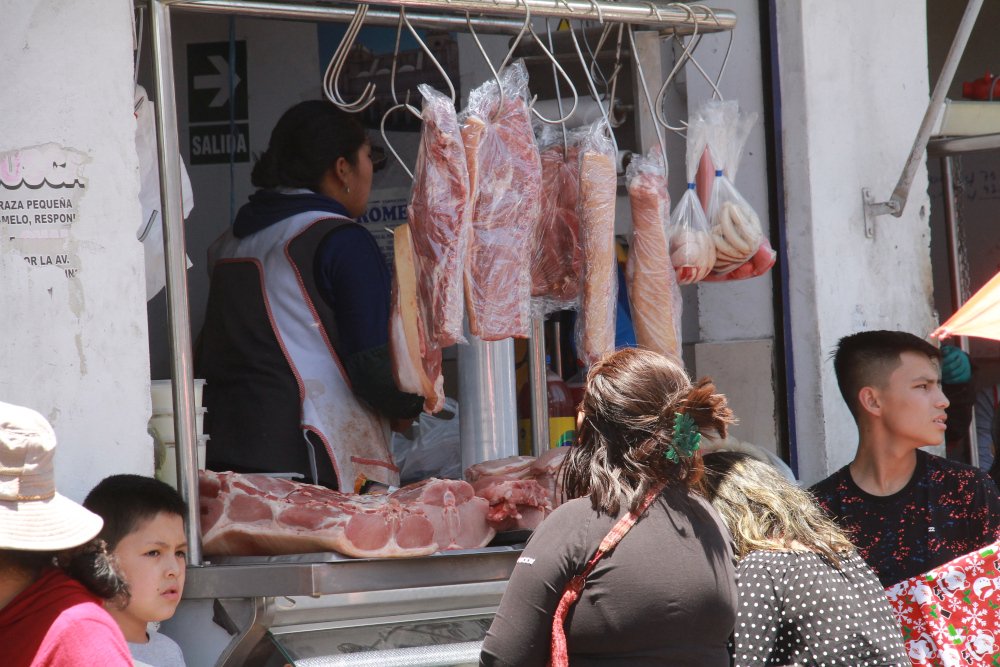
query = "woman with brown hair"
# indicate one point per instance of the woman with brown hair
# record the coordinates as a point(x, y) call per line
point(806, 596)
point(664, 595)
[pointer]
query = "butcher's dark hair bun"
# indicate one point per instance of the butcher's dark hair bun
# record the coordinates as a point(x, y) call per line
point(308, 140)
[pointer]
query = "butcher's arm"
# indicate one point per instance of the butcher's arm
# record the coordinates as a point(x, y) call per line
point(521, 630)
point(355, 283)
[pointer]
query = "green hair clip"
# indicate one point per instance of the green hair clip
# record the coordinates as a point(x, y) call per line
point(686, 438)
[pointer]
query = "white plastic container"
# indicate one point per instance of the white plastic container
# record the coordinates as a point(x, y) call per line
point(163, 401)
point(163, 424)
point(167, 472)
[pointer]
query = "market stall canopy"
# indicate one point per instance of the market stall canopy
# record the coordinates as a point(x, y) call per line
point(980, 316)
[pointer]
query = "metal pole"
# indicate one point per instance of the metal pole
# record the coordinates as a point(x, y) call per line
point(539, 388)
point(657, 14)
point(955, 278)
point(345, 14)
point(181, 365)
point(897, 202)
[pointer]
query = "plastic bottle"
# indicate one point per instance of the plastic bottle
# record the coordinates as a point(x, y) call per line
point(562, 413)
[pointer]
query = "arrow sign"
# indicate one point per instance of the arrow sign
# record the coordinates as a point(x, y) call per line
point(218, 80)
point(214, 97)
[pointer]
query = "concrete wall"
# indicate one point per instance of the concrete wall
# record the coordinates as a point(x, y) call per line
point(852, 99)
point(75, 342)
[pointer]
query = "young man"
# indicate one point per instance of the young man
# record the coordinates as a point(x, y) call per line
point(906, 510)
point(144, 529)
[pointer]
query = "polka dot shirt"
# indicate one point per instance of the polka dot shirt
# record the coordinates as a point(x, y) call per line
point(797, 608)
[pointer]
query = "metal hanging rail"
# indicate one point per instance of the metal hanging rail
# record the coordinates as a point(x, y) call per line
point(379, 17)
point(681, 19)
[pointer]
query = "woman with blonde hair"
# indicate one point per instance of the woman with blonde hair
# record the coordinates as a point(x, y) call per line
point(635, 568)
point(805, 595)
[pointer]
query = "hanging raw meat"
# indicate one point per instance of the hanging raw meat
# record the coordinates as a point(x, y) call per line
point(505, 174)
point(257, 515)
point(557, 258)
point(598, 185)
point(416, 356)
point(652, 285)
point(439, 218)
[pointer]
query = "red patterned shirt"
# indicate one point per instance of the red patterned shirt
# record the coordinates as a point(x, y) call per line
point(946, 509)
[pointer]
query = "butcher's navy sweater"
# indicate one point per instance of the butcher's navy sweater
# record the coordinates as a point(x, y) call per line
point(355, 282)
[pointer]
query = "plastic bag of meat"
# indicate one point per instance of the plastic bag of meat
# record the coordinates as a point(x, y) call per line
point(415, 354)
point(692, 251)
point(595, 327)
point(734, 225)
point(439, 217)
point(557, 256)
point(762, 260)
point(653, 293)
point(505, 176)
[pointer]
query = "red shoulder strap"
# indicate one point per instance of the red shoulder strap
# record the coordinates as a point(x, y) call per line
point(559, 650)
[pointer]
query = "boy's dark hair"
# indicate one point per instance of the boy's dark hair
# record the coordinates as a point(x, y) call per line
point(868, 358)
point(125, 501)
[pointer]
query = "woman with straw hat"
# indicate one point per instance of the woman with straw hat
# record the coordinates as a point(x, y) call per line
point(54, 575)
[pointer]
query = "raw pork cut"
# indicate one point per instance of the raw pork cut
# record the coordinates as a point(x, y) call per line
point(257, 515)
point(416, 356)
point(557, 259)
point(454, 509)
point(513, 467)
point(504, 483)
point(652, 285)
point(515, 504)
point(598, 184)
point(505, 174)
point(439, 218)
point(545, 471)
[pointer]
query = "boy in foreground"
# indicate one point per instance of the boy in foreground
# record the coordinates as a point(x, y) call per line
point(907, 511)
point(144, 529)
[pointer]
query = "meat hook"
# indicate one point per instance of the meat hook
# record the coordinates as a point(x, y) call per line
point(330, 79)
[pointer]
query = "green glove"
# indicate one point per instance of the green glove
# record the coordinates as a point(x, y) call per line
point(955, 366)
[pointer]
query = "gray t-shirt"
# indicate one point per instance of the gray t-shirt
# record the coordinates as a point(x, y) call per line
point(666, 595)
point(159, 651)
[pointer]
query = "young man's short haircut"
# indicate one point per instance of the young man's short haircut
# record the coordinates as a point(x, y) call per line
point(125, 501)
point(868, 358)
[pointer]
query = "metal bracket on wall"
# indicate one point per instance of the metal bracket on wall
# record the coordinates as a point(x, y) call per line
point(873, 209)
point(935, 107)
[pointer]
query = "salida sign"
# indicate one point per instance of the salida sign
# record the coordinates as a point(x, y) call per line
point(218, 111)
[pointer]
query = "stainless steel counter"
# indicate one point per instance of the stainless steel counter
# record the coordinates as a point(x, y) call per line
point(330, 573)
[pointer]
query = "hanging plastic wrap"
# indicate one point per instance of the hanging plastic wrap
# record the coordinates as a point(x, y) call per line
point(735, 226)
point(692, 251)
point(595, 327)
point(654, 296)
point(439, 218)
point(557, 257)
point(505, 175)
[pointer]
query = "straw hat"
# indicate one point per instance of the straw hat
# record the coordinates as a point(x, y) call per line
point(33, 517)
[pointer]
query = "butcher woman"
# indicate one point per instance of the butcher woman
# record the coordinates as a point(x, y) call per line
point(295, 342)
point(665, 594)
